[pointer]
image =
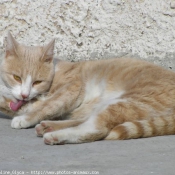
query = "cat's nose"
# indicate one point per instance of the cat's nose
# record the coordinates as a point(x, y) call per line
point(24, 96)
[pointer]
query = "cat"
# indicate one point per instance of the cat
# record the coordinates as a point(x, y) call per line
point(110, 99)
point(26, 72)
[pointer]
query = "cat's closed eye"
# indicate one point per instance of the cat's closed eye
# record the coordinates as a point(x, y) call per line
point(36, 83)
point(17, 78)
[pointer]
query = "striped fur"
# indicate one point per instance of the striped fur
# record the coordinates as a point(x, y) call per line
point(157, 126)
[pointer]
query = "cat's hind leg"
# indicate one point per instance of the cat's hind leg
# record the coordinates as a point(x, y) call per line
point(96, 127)
point(50, 126)
point(85, 132)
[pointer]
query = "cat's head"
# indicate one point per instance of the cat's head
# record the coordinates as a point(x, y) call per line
point(27, 70)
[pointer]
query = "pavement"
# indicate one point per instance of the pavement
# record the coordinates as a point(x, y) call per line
point(22, 152)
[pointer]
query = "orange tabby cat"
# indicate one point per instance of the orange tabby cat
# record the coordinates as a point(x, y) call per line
point(108, 99)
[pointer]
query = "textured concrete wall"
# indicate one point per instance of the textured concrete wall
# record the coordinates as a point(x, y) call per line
point(93, 29)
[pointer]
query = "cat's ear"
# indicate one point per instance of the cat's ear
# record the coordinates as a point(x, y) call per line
point(48, 52)
point(11, 45)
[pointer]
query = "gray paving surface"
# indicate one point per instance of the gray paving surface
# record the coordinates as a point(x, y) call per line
point(22, 151)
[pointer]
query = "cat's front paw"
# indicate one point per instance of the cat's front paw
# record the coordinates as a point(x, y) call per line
point(20, 122)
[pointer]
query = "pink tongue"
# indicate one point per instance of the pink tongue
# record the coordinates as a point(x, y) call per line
point(17, 105)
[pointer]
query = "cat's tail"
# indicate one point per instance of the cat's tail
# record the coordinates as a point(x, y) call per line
point(143, 128)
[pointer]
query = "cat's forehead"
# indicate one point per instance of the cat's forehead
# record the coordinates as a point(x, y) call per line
point(26, 61)
point(30, 52)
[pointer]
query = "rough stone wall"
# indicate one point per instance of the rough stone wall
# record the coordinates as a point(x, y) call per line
point(94, 29)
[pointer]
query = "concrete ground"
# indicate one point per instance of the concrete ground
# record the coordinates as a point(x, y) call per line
point(22, 152)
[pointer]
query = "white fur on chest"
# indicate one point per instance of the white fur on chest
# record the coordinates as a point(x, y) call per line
point(108, 98)
point(97, 90)
point(94, 89)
